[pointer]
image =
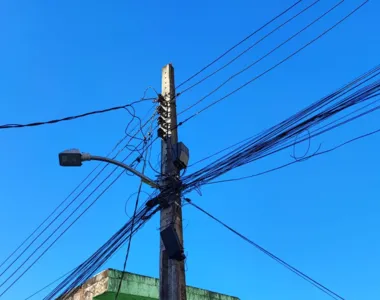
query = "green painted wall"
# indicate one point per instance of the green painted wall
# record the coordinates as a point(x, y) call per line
point(111, 296)
point(137, 287)
point(145, 288)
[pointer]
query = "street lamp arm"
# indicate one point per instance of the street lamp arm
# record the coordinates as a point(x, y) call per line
point(145, 179)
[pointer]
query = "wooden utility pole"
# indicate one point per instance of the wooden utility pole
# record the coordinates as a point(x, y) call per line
point(172, 271)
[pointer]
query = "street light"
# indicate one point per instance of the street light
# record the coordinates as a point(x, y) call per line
point(74, 158)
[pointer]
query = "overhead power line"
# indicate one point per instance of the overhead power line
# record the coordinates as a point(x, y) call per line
point(50, 224)
point(271, 140)
point(10, 126)
point(271, 255)
point(264, 143)
point(239, 43)
point(304, 158)
point(59, 236)
point(287, 40)
point(48, 285)
point(72, 193)
point(249, 48)
point(48, 217)
point(292, 144)
point(62, 233)
point(269, 69)
point(132, 226)
point(103, 254)
point(280, 136)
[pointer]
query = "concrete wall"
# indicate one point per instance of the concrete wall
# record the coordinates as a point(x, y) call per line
point(134, 287)
point(97, 285)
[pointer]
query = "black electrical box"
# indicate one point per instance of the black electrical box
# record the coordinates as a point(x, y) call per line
point(181, 156)
point(172, 244)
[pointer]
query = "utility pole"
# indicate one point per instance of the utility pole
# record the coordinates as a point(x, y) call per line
point(172, 270)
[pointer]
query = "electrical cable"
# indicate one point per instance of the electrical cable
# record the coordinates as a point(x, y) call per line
point(48, 285)
point(134, 116)
point(271, 255)
point(128, 199)
point(248, 49)
point(150, 149)
point(103, 254)
point(277, 137)
point(249, 138)
point(59, 236)
point(81, 275)
point(239, 43)
point(302, 274)
point(297, 161)
point(51, 214)
point(359, 91)
point(270, 69)
point(299, 50)
point(186, 189)
point(52, 233)
point(48, 217)
point(198, 182)
point(218, 152)
point(52, 221)
point(132, 227)
point(65, 200)
point(9, 126)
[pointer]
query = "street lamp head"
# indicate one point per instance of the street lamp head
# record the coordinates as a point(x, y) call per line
point(70, 158)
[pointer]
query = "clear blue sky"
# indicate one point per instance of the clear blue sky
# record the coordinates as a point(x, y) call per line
point(59, 58)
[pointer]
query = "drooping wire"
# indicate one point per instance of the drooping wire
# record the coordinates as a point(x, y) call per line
point(149, 157)
point(128, 199)
point(134, 116)
point(271, 255)
point(9, 126)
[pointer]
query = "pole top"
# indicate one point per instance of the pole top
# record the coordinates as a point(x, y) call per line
point(169, 65)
